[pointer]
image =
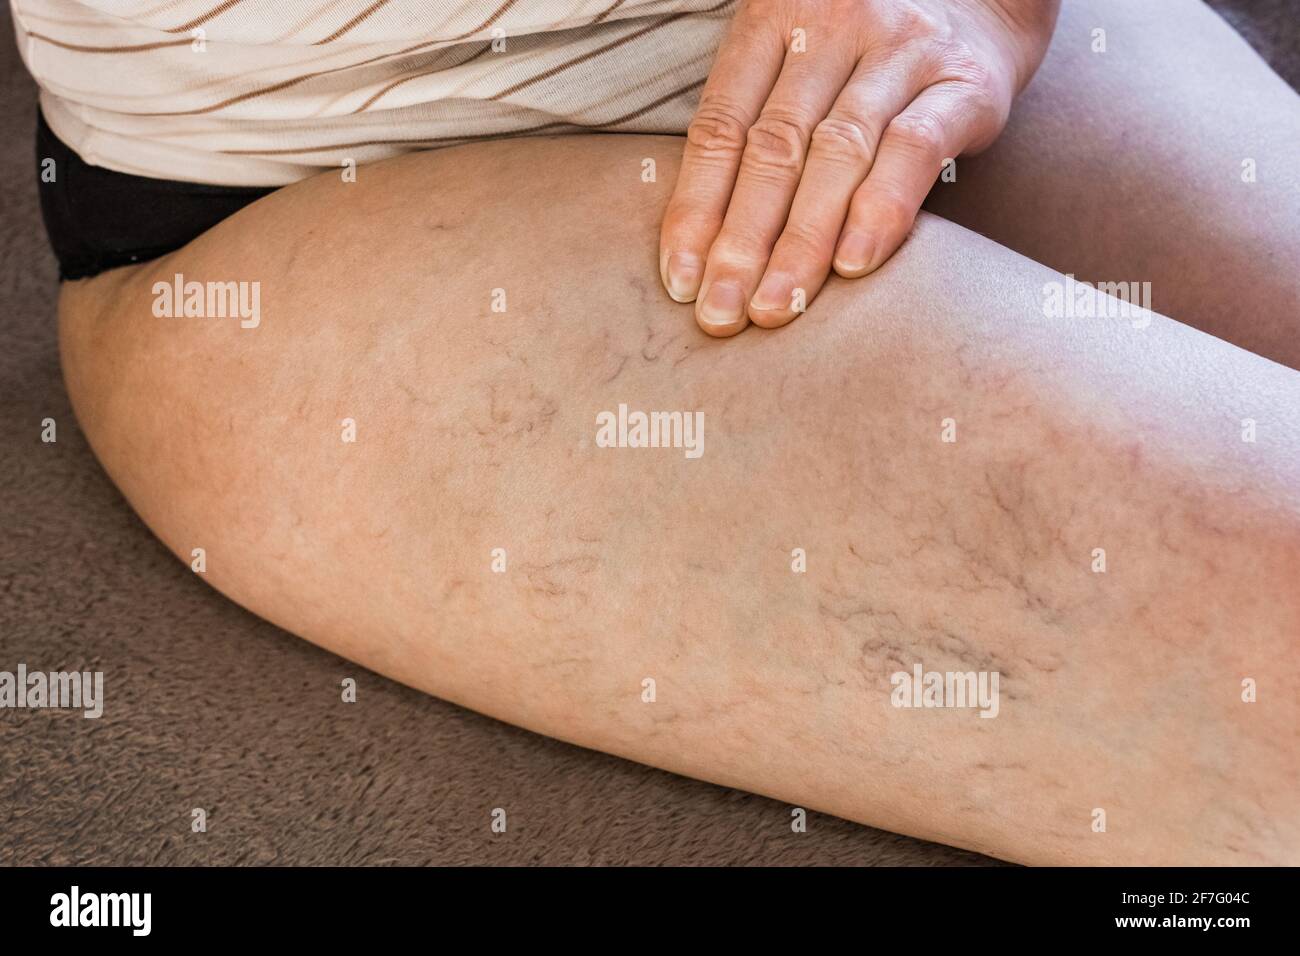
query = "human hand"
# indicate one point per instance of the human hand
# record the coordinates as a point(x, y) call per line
point(819, 133)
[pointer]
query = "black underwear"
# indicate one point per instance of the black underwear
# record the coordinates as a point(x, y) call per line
point(98, 219)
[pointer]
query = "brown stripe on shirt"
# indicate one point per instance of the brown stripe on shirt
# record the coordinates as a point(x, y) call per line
point(130, 48)
point(590, 54)
point(351, 24)
point(203, 18)
point(406, 79)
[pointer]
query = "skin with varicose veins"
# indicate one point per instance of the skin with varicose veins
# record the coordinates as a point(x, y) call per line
point(821, 129)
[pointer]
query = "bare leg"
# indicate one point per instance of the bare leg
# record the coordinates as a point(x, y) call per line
point(1120, 691)
point(1127, 165)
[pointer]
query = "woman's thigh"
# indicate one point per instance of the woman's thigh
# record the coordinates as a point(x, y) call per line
point(1168, 158)
point(400, 458)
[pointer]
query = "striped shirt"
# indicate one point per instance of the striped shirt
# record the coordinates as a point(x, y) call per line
point(265, 92)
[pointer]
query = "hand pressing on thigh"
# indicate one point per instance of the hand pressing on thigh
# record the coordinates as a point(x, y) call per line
point(821, 129)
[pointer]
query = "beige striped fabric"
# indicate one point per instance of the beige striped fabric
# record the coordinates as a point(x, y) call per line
point(265, 92)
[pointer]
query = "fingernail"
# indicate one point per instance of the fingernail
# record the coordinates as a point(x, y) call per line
point(724, 304)
point(775, 292)
point(855, 254)
point(683, 276)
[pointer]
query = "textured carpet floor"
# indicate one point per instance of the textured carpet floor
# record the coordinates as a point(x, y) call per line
point(209, 707)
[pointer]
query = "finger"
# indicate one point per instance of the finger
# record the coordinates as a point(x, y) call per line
point(770, 167)
point(936, 126)
point(840, 155)
point(742, 75)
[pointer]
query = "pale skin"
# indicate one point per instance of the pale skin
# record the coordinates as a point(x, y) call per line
point(1120, 691)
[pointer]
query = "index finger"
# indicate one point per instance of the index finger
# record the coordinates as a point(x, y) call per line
point(742, 75)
